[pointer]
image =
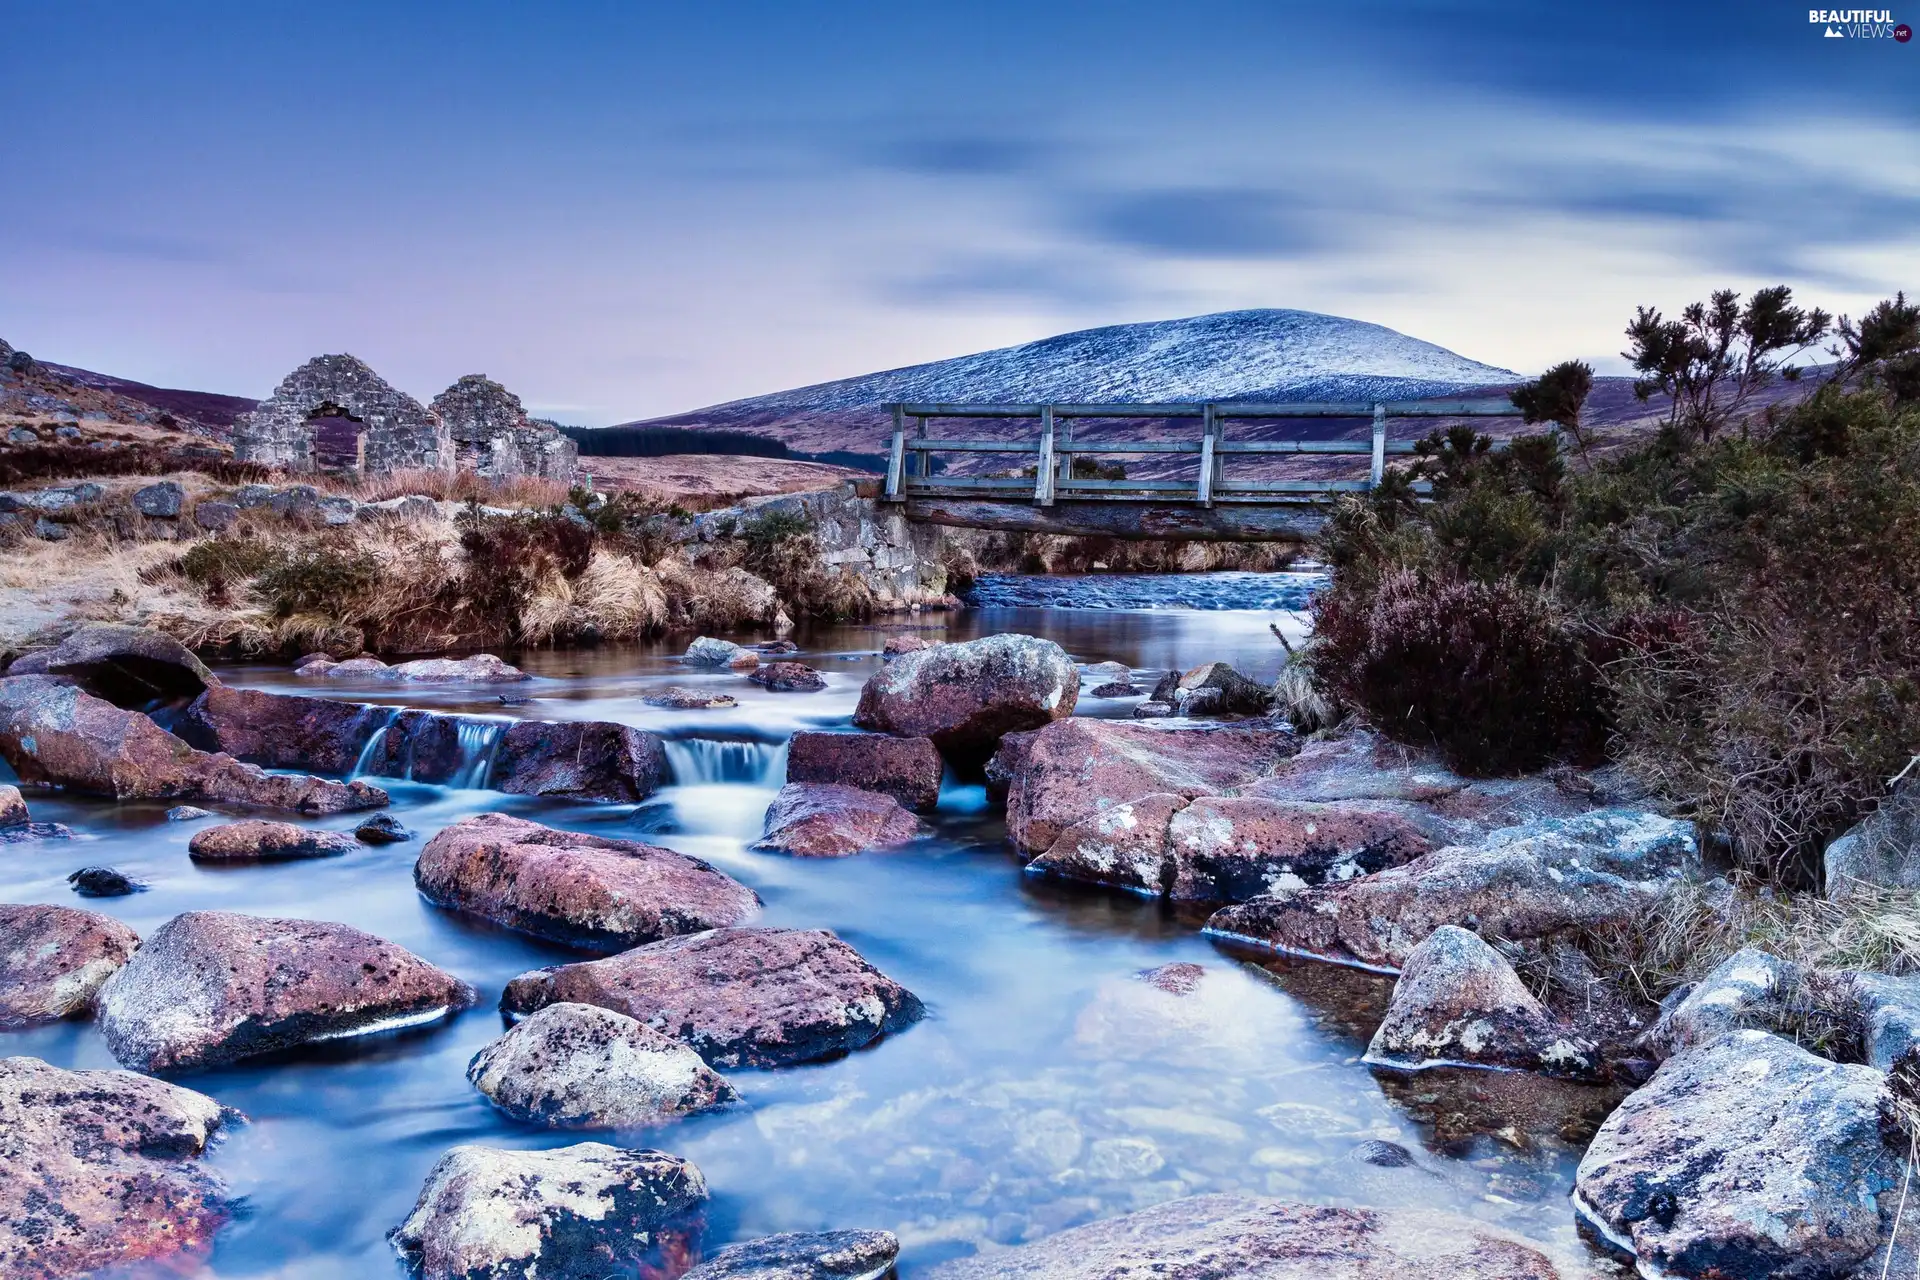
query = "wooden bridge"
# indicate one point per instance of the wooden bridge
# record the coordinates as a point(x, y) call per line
point(1214, 505)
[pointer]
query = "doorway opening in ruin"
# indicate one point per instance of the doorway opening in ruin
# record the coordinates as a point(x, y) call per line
point(339, 439)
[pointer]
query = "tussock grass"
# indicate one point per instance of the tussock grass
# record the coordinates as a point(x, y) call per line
point(445, 486)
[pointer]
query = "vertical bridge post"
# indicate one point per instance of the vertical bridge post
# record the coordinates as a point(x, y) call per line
point(1043, 474)
point(1207, 462)
point(896, 456)
point(1379, 471)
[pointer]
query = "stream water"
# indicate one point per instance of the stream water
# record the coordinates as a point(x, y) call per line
point(1047, 1086)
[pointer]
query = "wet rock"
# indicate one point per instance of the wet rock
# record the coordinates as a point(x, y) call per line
point(361, 668)
point(578, 1066)
point(1528, 882)
point(826, 820)
point(1115, 689)
point(675, 698)
point(1227, 849)
point(261, 841)
point(481, 668)
point(161, 501)
point(1382, 1155)
point(26, 832)
point(789, 677)
point(13, 807)
point(739, 997)
point(1744, 1157)
point(908, 769)
point(804, 1255)
point(1215, 688)
point(709, 652)
point(1459, 1003)
point(215, 515)
point(967, 696)
point(1209, 1237)
point(55, 735)
point(53, 961)
point(579, 760)
point(1152, 709)
point(1123, 846)
point(1178, 979)
point(103, 882)
point(1748, 989)
point(284, 731)
point(382, 828)
point(745, 660)
point(213, 987)
point(1071, 770)
point(1106, 673)
point(189, 813)
point(586, 891)
point(908, 643)
point(129, 666)
point(776, 648)
point(575, 1213)
point(102, 1173)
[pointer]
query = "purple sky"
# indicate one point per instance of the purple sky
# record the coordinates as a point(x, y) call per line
point(626, 209)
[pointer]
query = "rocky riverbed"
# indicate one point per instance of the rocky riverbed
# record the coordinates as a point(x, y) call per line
point(1014, 983)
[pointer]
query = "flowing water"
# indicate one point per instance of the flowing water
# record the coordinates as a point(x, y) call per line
point(1047, 1086)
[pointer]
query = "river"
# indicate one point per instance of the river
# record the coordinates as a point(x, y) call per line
point(1046, 1087)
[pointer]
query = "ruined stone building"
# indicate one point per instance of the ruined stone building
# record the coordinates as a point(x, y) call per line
point(334, 413)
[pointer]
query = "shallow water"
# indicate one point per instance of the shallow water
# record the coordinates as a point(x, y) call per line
point(1047, 1087)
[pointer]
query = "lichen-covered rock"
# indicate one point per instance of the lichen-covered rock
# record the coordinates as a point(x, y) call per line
point(575, 1213)
point(54, 960)
point(212, 987)
point(908, 769)
point(101, 1173)
point(129, 666)
point(706, 651)
point(1748, 989)
point(967, 696)
point(788, 677)
point(826, 820)
point(804, 1255)
point(493, 436)
point(1075, 768)
point(13, 806)
point(1880, 852)
point(261, 841)
point(675, 698)
point(1743, 1158)
point(56, 735)
point(905, 643)
point(1884, 1010)
point(161, 501)
point(1123, 846)
point(1248, 1238)
point(18, 827)
point(479, 668)
point(579, 760)
point(583, 890)
point(740, 997)
point(1215, 688)
point(1459, 1003)
point(334, 413)
point(572, 1066)
point(1528, 882)
point(1229, 849)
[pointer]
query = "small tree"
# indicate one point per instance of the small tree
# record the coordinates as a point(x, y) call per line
point(1718, 353)
point(1557, 396)
point(1884, 346)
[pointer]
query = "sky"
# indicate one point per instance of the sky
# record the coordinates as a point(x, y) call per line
point(623, 210)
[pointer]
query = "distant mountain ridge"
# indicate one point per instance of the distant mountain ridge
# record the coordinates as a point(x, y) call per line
point(1271, 354)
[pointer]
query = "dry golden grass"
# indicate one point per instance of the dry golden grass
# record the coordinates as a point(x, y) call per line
point(447, 486)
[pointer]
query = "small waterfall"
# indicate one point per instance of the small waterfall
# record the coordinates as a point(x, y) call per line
point(706, 761)
point(479, 741)
point(376, 740)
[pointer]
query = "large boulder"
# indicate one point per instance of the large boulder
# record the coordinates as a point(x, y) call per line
point(1251, 1238)
point(129, 666)
point(582, 890)
point(575, 1213)
point(102, 1173)
point(579, 760)
point(55, 735)
point(1527, 883)
point(740, 997)
point(908, 769)
point(967, 696)
point(804, 1255)
point(571, 1066)
point(212, 987)
point(1750, 988)
point(1459, 1003)
point(1075, 768)
point(1742, 1158)
point(54, 960)
point(261, 841)
point(282, 731)
point(826, 820)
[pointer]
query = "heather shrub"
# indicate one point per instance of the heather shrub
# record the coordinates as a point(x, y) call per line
point(317, 581)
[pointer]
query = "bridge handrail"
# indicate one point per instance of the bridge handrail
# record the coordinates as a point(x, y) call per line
point(1212, 446)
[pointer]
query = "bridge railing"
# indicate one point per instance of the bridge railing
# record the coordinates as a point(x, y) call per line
point(910, 472)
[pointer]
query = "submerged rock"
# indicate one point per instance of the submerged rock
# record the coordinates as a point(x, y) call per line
point(789, 677)
point(575, 1213)
point(102, 1172)
point(740, 997)
point(967, 696)
point(1459, 1003)
point(260, 841)
point(1528, 882)
point(103, 882)
point(382, 828)
point(129, 666)
point(1221, 1236)
point(825, 820)
point(586, 891)
point(54, 960)
point(572, 1066)
point(804, 1255)
point(212, 987)
point(908, 769)
point(1745, 1157)
point(55, 735)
